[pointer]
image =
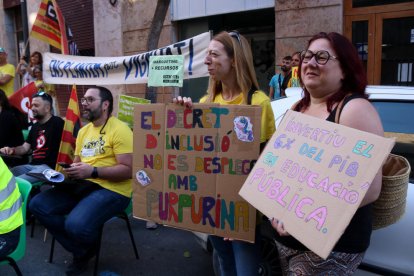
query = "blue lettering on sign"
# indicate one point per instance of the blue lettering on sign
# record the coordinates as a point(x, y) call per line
point(55, 70)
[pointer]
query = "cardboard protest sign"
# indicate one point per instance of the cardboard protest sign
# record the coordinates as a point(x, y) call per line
point(67, 69)
point(189, 165)
point(166, 71)
point(313, 175)
point(126, 108)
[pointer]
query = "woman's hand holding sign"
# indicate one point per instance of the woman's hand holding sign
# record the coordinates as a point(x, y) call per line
point(183, 101)
point(278, 226)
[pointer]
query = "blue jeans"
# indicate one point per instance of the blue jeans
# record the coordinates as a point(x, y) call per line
point(238, 258)
point(75, 219)
point(22, 170)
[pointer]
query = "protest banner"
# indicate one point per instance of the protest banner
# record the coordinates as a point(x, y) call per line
point(313, 175)
point(189, 165)
point(166, 71)
point(126, 108)
point(66, 69)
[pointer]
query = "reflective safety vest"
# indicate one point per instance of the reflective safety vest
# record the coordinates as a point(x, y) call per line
point(11, 215)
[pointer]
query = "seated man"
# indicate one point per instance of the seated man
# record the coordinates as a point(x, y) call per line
point(11, 211)
point(44, 139)
point(99, 185)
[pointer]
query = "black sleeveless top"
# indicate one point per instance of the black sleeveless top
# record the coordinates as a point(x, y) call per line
point(357, 235)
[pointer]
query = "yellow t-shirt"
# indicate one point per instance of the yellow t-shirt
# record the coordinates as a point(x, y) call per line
point(99, 150)
point(8, 69)
point(258, 98)
point(294, 80)
point(267, 120)
point(47, 87)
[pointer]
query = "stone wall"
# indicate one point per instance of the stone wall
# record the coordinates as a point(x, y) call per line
point(123, 30)
point(297, 21)
point(137, 18)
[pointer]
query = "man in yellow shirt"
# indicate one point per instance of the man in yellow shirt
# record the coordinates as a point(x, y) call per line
point(7, 72)
point(99, 185)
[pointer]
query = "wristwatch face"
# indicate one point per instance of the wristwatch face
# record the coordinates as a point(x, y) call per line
point(94, 172)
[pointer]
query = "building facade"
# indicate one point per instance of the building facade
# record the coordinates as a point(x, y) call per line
point(382, 31)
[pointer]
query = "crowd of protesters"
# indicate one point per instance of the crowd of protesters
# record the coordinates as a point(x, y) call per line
point(328, 70)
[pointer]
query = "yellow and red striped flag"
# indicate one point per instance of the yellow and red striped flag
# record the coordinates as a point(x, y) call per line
point(70, 130)
point(50, 27)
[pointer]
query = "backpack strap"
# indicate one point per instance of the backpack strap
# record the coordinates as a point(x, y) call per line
point(285, 83)
point(250, 95)
point(280, 84)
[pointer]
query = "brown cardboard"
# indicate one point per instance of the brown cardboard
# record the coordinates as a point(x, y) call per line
point(204, 184)
point(312, 176)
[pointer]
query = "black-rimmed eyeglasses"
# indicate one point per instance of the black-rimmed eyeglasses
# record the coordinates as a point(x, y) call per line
point(321, 57)
point(87, 100)
point(236, 35)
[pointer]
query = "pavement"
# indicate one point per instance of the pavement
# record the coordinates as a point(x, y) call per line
point(162, 251)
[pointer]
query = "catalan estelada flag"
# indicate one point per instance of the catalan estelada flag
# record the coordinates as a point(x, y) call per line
point(70, 130)
point(50, 27)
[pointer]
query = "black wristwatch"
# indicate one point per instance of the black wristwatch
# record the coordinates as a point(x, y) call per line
point(95, 173)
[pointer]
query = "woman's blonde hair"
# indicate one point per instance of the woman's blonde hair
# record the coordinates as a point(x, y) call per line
point(237, 48)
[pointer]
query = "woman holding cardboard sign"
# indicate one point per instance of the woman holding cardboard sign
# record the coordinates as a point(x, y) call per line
point(233, 81)
point(334, 80)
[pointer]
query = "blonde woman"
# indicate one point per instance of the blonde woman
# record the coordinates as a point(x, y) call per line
point(233, 81)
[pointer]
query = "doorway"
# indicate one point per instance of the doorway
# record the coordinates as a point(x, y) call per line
point(384, 38)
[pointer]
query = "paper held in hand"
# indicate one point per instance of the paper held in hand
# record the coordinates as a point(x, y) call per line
point(53, 176)
point(49, 175)
point(313, 175)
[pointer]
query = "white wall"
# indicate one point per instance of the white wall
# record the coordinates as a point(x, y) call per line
point(185, 9)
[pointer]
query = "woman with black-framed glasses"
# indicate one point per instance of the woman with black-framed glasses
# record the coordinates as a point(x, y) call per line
point(332, 75)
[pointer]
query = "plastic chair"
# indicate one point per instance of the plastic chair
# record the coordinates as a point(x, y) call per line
point(18, 253)
point(25, 134)
point(123, 215)
point(36, 187)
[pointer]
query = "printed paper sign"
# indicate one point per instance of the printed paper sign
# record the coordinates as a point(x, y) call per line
point(189, 165)
point(66, 69)
point(166, 71)
point(313, 175)
point(126, 108)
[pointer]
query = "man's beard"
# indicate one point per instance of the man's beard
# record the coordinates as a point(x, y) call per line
point(38, 116)
point(284, 68)
point(93, 115)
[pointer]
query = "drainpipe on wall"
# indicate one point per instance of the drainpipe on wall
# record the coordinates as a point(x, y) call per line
point(25, 25)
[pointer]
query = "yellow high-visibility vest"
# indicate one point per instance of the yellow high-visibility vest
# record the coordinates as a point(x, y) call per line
point(11, 215)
